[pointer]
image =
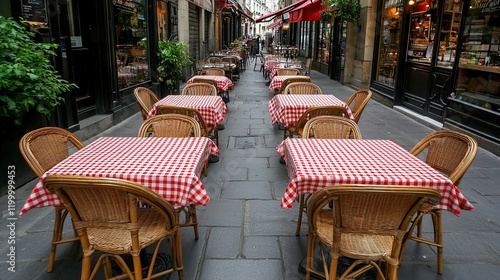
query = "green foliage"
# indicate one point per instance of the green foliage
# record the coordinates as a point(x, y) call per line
point(172, 59)
point(326, 16)
point(27, 78)
point(348, 10)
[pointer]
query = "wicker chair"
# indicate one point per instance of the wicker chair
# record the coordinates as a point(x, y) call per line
point(145, 98)
point(206, 130)
point(287, 72)
point(451, 153)
point(326, 127)
point(214, 59)
point(302, 88)
point(108, 217)
point(298, 128)
point(176, 125)
point(223, 94)
point(199, 89)
point(331, 127)
point(290, 80)
point(42, 149)
point(366, 223)
point(360, 99)
point(170, 125)
point(235, 72)
point(214, 72)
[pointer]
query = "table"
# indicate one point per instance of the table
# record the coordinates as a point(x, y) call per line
point(287, 109)
point(277, 81)
point(212, 108)
point(169, 166)
point(219, 65)
point(223, 82)
point(272, 71)
point(316, 163)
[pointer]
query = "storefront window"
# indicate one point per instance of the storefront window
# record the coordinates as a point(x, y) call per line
point(324, 42)
point(131, 42)
point(448, 33)
point(161, 10)
point(479, 68)
point(392, 13)
point(423, 22)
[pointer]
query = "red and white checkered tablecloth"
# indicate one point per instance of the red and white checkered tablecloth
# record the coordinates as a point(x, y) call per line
point(277, 81)
point(287, 109)
point(313, 164)
point(223, 82)
point(212, 108)
point(169, 166)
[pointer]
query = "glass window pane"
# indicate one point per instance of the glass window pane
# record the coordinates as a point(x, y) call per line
point(450, 26)
point(389, 41)
point(131, 42)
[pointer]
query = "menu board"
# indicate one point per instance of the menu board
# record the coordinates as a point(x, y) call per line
point(34, 10)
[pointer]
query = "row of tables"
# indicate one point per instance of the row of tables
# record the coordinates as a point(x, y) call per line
point(313, 164)
point(172, 166)
point(169, 166)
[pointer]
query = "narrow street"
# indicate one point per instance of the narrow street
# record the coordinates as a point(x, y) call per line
point(245, 234)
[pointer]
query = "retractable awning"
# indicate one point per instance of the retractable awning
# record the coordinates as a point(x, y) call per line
point(274, 24)
point(286, 9)
point(308, 11)
point(243, 13)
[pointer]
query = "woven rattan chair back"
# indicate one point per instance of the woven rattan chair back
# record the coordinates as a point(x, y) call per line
point(45, 147)
point(145, 98)
point(205, 81)
point(230, 59)
point(170, 125)
point(214, 59)
point(287, 72)
point(206, 130)
point(290, 80)
point(366, 223)
point(357, 102)
point(42, 149)
point(331, 127)
point(302, 88)
point(214, 72)
point(108, 217)
point(333, 110)
point(199, 89)
point(451, 153)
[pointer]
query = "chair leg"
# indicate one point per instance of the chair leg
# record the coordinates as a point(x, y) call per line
point(60, 216)
point(438, 238)
point(301, 210)
point(438, 235)
point(194, 220)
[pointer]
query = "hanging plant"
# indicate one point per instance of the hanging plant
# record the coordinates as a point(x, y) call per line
point(326, 16)
point(348, 10)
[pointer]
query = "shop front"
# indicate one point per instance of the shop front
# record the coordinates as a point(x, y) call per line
point(475, 102)
point(439, 58)
point(106, 48)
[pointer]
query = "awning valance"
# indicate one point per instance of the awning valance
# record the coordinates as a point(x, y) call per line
point(286, 9)
point(308, 11)
point(274, 24)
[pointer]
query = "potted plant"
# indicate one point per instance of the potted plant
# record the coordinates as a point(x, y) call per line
point(172, 59)
point(345, 10)
point(28, 81)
